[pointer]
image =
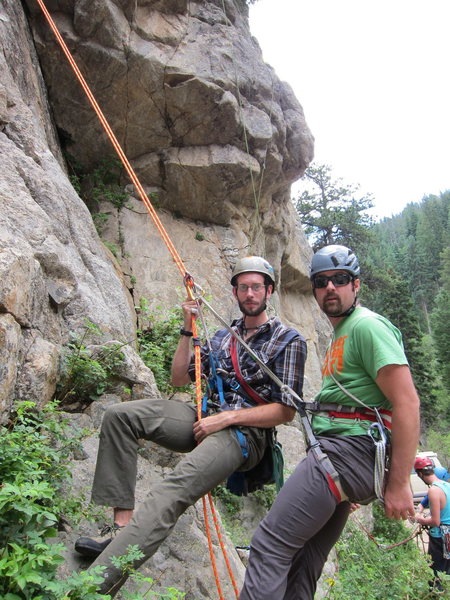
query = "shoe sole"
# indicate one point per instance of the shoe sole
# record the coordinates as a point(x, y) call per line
point(84, 547)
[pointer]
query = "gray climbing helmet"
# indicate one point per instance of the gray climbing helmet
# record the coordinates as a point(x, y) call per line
point(334, 258)
point(253, 264)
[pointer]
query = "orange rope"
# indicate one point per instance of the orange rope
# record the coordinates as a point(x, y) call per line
point(176, 257)
point(219, 536)
point(213, 558)
point(199, 394)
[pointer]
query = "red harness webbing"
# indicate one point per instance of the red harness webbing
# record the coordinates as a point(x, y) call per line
point(386, 416)
point(247, 389)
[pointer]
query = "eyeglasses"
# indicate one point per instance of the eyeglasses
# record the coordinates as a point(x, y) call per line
point(338, 280)
point(256, 287)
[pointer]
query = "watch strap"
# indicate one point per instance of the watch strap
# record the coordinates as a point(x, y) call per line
point(186, 333)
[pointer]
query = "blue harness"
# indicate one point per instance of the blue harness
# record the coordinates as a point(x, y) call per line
point(216, 385)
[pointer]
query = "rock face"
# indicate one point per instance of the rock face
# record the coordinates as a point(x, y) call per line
point(185, 90)
point(214, 137)
point(205, 123)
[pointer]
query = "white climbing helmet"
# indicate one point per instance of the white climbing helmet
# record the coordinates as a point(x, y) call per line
point(253, 264)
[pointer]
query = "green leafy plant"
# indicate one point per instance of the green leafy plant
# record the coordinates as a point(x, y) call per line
point(78, 586)
point(86, 374)
point(155, 200)
point(103, 184)
point(112, 247)
point(126, 564)
point(76, 183)
point(35, 449)
point(370, 570)
point(266, 496)
point(100, 219)
point(158, 338)
point(231, 507)
point(232, 503)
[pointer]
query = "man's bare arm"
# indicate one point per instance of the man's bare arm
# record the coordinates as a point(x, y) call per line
point(268, 415)
point(396, 383)
point(434, 498)
point(183, 352)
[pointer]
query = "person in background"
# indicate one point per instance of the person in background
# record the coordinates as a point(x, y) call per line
point(232, 437)
point(365, 364)
point(441, 473)
point(439, 504)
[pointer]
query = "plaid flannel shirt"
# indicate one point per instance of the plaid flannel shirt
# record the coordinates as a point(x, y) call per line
point(266, 343)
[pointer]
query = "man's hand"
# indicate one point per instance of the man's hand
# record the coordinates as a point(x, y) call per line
point(209, 425)
point(182, 357)
point(396, 383)
point(267, 415)
point(398, 502)
point(190, 311)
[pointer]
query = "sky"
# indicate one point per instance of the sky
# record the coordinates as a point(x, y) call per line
point(373, 78)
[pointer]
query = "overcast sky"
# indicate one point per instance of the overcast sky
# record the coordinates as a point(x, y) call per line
point(373, 79)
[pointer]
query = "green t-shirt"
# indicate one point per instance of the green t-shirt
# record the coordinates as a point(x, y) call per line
point(362, 344)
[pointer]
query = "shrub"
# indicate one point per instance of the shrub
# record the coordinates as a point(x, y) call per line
point(369, 571)
point(100, 219)
point(157, 341)
point(85, 372)
point(103, 184)
point(34, 450)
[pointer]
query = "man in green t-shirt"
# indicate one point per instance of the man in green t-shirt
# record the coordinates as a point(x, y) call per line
point(367, 389)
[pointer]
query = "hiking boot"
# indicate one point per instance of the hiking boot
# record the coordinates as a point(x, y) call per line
point(93, 546)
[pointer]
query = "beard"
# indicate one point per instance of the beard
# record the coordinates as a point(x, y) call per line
point(254, 310)
point(332, 310)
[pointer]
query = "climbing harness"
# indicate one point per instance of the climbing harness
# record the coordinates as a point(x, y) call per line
point(377, 431)
point(270, 469)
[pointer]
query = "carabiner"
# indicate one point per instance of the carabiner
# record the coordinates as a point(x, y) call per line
point(381, 433)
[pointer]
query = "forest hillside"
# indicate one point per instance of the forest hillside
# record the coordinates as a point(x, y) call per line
point(407, 266)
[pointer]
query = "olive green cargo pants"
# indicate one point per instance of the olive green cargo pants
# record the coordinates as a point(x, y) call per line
point(168, 423)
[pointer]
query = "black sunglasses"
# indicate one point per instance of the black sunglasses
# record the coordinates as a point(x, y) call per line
point(338, 280)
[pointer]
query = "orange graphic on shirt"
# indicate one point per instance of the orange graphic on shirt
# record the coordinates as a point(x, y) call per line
point(334, 358)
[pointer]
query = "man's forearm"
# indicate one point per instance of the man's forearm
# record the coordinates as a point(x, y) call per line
point(180, 362)
point(268, 415)
point(405, 438)
point(396, 383)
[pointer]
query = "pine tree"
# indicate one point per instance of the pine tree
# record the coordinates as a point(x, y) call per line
point(440, 320)
point(331, 212)
point(390, 297)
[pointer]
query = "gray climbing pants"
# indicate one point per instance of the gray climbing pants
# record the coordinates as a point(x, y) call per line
point(292, 543)
point(168, 423)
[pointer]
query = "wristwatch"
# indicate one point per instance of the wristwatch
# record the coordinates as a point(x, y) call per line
point(186, 333)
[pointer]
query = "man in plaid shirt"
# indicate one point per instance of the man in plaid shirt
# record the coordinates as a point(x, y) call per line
point(231, 437)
